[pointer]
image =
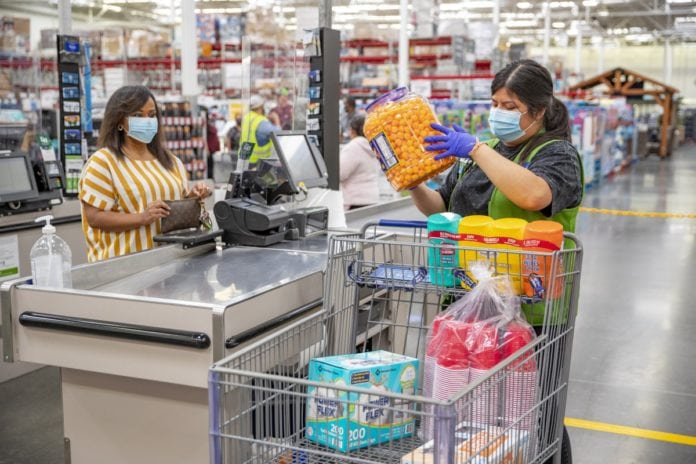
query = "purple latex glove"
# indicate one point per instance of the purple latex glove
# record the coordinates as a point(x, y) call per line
point(456, 141)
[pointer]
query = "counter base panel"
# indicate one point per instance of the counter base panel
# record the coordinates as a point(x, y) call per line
point(115, 420)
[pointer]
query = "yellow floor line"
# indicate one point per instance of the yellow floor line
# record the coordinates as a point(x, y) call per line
point(631, 431)
point(654, 214)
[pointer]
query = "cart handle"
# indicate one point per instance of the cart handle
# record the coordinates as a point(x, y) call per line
point(394, 223)
point(198, 340)
point(400, 223)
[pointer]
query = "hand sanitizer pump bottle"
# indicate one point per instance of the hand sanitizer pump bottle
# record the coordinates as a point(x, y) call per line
point(51, 258)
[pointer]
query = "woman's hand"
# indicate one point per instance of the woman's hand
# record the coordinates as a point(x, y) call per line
point(154, 211)
point(456, 142)
point(199, 190)
point(274, 118)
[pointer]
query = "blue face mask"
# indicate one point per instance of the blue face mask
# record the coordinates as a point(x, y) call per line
point(142, 129)
point(505, 124)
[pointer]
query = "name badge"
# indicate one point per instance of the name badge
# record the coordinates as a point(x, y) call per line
point(246, 150)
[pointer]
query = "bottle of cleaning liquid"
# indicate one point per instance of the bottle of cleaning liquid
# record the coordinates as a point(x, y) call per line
point(51, 258)
point(473, 231)
point(543, 236)
point(510, 232)
point(443, 259)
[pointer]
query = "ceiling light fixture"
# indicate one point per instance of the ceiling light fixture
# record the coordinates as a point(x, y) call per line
point(473, 5)
point(566, 4)
point(524, 5)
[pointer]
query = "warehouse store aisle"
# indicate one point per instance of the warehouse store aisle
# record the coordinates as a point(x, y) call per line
point(636, 329)
point(635, 337)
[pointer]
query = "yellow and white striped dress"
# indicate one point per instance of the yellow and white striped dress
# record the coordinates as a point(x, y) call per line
point(126, 186)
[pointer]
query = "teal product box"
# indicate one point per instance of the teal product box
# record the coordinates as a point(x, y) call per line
point(346, 421)
point(443, 230)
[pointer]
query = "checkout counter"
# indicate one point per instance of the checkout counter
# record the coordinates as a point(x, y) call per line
point(135, 336)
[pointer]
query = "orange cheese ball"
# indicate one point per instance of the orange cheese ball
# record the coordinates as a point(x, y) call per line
point(398, 129)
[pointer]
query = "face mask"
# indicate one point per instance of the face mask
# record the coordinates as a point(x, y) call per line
point(142, 129)
point(505, 124)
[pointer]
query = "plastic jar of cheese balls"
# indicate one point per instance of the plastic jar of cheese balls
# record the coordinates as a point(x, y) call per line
point(395, 126)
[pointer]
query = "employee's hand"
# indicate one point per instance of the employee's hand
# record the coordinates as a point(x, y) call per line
point(154, 211)
point(199, 190)
point(456, 142)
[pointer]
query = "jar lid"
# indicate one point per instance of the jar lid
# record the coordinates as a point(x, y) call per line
point(392, 95)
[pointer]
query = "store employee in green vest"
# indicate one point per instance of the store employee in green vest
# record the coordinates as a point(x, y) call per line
point(530, 170)
point(255, 140)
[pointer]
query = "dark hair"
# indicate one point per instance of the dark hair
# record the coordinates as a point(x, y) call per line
point(349, 101)
point(532, 84)
point(123, 103)
point(357, 123)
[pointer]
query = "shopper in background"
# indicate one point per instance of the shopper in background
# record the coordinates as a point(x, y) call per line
point(530, 170)
point(257, 130)
point(283, 110)
point(349, 111)
point(359, 168)
point(125, 183)
point(234, 135)
point(212, 139)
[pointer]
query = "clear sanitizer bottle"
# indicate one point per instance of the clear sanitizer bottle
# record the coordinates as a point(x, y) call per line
point(51, 258)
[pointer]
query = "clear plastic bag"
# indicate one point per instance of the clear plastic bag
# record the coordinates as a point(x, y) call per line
point(477, 332)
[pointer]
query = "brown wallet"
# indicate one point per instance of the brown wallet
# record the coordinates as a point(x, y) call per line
point(183, 214)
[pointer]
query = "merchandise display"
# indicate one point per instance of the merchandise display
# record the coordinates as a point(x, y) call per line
point(395, 126)
point(345, 420)
point(185, 136)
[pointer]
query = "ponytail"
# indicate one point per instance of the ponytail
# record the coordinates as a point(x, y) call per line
point(556, 121)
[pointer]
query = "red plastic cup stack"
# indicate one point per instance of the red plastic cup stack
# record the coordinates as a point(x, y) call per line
point(431, 350)
point(452, 366)
point(521, 377)
point(484, 355)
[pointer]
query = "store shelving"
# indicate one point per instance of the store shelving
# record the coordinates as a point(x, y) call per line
point(425, 56)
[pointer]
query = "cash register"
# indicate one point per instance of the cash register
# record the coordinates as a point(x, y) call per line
point(31, 175)
point(253, 213)
point(28, 182)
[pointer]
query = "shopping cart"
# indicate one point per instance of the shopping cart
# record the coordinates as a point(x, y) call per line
point(380, 295)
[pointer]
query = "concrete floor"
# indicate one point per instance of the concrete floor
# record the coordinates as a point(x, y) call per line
point(634, 344)
point(636, 329)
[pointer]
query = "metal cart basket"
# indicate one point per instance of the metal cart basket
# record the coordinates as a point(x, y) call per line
point(380, 294)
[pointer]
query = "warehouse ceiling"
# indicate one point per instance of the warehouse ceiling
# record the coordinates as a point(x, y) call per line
point(632, 21)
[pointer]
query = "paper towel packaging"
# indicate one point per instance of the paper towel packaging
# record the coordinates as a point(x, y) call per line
point(347, 420)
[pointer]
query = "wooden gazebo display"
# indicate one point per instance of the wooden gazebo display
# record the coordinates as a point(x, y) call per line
point(620, 81)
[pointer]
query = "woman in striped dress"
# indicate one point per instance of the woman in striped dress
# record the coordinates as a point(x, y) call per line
point(125, 183)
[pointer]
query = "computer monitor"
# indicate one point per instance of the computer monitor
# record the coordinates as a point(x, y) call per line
point(301, 159)
point(17, 180)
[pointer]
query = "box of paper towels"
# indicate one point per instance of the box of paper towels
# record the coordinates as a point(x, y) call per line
point(347, 420)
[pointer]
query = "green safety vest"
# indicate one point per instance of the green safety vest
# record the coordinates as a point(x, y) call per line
point(501, 206)
point(250, 123)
